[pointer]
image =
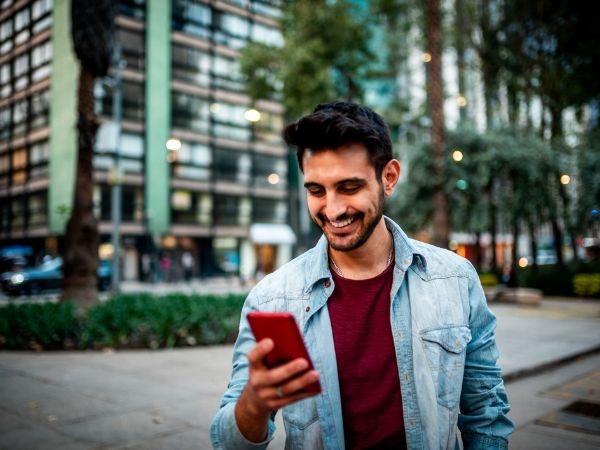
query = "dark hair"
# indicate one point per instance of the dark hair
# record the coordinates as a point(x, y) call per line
point(333, 125)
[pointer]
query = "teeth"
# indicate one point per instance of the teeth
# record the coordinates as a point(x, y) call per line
point(342, 224)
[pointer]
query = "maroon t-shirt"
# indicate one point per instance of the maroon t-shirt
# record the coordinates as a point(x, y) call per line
point(366, 361)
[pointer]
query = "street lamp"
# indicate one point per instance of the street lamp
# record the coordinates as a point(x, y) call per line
point(273, 178)
point(173, 146)
point(457, 155)
point(565, 179)
point(426, 57)
point(252, 115)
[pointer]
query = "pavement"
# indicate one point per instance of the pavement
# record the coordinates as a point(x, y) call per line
point(165, 399)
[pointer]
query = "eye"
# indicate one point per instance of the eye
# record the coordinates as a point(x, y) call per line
point(349, 189)
point(315, 191)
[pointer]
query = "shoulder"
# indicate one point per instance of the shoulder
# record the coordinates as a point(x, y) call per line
point(442, 263)
point(289, 281)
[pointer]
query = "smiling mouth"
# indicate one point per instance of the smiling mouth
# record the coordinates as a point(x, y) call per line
point(341, 225)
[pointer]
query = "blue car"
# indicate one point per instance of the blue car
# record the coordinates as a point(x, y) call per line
point(47, 277)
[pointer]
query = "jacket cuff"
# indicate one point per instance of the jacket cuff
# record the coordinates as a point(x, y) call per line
point(225, 433)
point(473, 441)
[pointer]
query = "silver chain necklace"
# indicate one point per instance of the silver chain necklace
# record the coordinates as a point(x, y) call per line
point(339, 271)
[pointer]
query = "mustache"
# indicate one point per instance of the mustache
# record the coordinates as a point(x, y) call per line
point(323, 218)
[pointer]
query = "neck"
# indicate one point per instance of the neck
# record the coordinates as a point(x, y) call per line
point(370, 259)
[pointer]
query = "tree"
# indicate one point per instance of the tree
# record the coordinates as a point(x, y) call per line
point(325, 56)
point(435, 92)
point(93, 34)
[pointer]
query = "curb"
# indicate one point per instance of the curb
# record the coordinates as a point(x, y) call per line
point(536, 370)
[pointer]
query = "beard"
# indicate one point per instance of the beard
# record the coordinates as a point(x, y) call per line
point(361, 235)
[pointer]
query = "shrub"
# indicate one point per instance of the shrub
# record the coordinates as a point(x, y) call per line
point(553, 279)
point(38, 326)
point(587, 284)
point(488, 279)
point(125, 321)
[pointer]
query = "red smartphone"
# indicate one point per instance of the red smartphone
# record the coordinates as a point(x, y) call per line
point(281, 327)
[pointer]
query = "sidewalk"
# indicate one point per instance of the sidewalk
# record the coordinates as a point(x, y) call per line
point(165, 399)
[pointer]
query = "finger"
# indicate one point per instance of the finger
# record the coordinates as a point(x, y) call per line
point(280, 403)
point(293, 386)
point(259, 351)
point(280, 374)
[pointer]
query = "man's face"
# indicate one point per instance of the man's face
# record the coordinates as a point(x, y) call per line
point(345, 198)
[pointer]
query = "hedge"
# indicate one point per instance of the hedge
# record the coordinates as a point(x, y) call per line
point(125, 321)
point(553, 279)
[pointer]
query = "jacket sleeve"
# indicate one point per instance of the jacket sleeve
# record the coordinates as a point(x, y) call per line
point(484, 406)
point(224, 431)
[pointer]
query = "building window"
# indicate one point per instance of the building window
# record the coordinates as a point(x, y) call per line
point(230, 30)
point(133, 48)
point(40, 60)
point(230, 210)
point(229, 121)
point(270, 171)
point(133, 100)
point(191, 65)
point(136, 9)
point(193, 162)
point(233, 166)
point(227, 75)
point(38, 160)
point(191, 207)
point(189, 112)
point(192, 17)
point(270, 211)
point(267, 35)
point(19, 165)
point(37, 209)
point(40, 107)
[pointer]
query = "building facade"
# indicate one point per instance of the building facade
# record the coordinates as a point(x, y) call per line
point(180, 81)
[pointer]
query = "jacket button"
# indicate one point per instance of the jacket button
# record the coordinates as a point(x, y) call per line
point(327, 283)
point(307, 308)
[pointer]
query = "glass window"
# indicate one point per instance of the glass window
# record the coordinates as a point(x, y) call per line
point(267, 8)
point(270, 211)
point(19, 163)
point(267, 35)
point(135, 9)
point(227, 74)
point(133, 100)
point(190, 64)
point(4, 122)
point(231, 165)
point(189, 112)
point(40, 8)
point(229, 121)
point(41, 54)
point(18, 213)
point(21, 19)
point(264, 168)
point(231, 30)
point(6, 29)
point(192, 17)
point(268, 128)
point(40, 107)
point(133, 48)
point(132, 145)
point(37, 209)
point(230, 210)
point(21, 64)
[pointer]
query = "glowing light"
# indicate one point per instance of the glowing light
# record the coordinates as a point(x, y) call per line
point(565, 179)
point(273, 178)
point(462, 101)
point(523, 262)
point(214, 108)
point(426, 57)
point(462, 184)
point(252, 115)
point(173, 144)
point(453, 245)
point(457, 155)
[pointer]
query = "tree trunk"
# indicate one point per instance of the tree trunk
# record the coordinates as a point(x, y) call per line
point(478, 256)
point(533, 243)
point(557, 239)
point(557, 132)
point(435, 90)
point(460, 31)
point(493, 226)
point(82, 238)
point(515, 246)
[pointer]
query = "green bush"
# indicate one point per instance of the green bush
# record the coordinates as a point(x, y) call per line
point(587, 284)
point(553, 279)
point(37, 326)
point(125, 321)
point(488, 279)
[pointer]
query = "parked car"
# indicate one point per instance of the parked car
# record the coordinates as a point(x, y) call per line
point(46, 277)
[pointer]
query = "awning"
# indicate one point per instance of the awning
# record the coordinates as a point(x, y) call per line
point(271, 233)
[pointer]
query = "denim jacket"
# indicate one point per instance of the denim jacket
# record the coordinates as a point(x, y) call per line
point(444, 337)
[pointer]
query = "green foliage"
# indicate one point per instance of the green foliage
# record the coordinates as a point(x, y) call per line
point(488, 279)
point(125, 321)
point(587, 284)
point(318, 61)
point(38, 325)
point(553, 279)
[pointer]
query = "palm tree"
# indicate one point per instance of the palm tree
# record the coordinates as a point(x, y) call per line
point(92, 31)
point(435, 92)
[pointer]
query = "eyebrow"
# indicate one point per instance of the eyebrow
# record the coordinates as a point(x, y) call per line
point(356, 180)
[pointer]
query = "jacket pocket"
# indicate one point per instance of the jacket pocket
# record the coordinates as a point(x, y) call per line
point(445, 349)
point(300, 414)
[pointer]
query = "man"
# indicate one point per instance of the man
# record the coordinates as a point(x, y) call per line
point(399, 331)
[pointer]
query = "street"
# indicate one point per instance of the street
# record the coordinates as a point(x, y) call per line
point(165, 399)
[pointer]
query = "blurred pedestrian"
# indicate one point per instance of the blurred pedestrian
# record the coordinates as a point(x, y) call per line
point(187, 262)
point(165, 267)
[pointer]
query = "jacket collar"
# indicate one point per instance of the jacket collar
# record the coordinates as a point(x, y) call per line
point(405, 255)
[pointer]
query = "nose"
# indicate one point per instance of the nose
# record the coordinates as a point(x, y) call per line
point(335, 207)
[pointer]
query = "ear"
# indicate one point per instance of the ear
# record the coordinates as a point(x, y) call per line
point(390, 176)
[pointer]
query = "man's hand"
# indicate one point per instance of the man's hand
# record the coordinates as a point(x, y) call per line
point(269, 389)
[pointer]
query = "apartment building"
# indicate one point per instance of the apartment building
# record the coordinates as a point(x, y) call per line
point(220, 196)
